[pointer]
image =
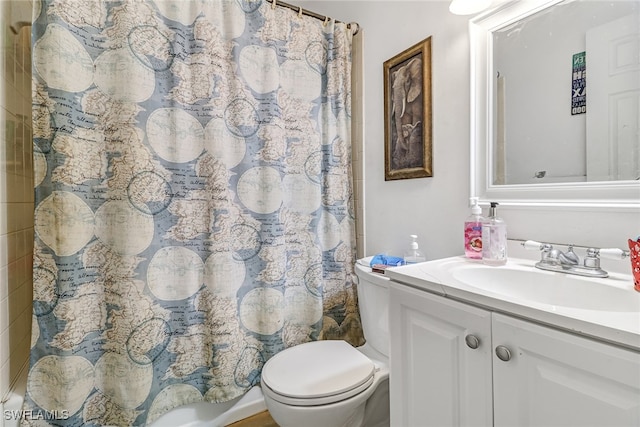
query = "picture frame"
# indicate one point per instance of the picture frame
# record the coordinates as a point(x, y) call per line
point(408, 141)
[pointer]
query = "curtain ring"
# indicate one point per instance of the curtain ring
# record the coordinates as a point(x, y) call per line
point(300, 12)
point(274, 3)
point(326, 21)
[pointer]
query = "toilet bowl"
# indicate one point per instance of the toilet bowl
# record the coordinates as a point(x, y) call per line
point(331, 383)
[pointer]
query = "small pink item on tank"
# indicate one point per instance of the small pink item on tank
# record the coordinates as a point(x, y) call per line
point(634, 256)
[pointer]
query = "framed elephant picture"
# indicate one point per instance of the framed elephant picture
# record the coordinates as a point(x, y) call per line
point(407, 113)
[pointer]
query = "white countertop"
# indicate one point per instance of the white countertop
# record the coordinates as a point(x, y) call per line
point(621, 327)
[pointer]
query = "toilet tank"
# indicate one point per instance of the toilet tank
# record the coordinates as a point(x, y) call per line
point(373, 302)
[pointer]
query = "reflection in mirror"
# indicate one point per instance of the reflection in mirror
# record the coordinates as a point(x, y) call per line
point(542, 101)
point(566, 95)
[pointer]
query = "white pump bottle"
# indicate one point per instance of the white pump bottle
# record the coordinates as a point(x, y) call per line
point(414, 255)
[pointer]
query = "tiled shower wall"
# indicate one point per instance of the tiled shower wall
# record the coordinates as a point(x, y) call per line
point(16, 191)
point(357, 137)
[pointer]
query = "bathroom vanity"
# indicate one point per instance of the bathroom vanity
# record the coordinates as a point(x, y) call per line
point(512, 346)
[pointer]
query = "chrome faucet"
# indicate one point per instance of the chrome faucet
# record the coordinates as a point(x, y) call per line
point(569, 262)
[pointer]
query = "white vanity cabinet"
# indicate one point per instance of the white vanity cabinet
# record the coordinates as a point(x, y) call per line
point(519, 374)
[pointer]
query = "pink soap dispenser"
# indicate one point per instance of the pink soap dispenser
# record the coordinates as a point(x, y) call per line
point(473, 231)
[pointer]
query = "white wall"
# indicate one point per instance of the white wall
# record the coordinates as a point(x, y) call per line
point(435, 208)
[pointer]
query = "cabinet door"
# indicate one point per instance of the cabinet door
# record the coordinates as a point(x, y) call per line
point(436, 379)
point(554, 378)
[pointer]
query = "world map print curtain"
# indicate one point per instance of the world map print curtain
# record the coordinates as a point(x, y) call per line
point(194, 203)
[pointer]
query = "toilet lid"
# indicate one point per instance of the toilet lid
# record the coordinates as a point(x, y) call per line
point(317, 369)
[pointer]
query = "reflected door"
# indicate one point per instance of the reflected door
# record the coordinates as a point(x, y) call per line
point(613, 100)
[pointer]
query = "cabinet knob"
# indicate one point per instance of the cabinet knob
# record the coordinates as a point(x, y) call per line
point(472, 341)
point(503, 353)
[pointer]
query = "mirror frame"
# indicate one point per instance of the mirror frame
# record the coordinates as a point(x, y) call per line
point(622, 195)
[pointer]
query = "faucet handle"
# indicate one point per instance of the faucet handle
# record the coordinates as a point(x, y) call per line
point(532, 245)
point(592, 260)
point(612, 253)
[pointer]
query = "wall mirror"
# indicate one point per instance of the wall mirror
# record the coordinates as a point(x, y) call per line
point(556, 103)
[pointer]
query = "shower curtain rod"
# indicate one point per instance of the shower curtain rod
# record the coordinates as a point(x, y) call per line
point(303, 11)
point(298, 9)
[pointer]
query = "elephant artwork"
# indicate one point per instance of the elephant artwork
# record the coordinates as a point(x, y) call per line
point(407, 112)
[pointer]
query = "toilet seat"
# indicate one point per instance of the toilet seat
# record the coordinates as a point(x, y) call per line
point(317, 373)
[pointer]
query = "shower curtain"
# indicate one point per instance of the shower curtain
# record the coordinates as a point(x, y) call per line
point(194, 204)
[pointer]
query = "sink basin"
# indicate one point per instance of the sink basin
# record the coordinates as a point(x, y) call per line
point(606, 309)
point(555, 289)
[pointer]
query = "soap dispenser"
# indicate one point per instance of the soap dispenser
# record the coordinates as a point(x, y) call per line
point(494, 238)
point(473, 231)
point(413, 254)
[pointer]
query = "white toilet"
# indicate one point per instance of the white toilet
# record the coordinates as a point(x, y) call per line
point(331, 383)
